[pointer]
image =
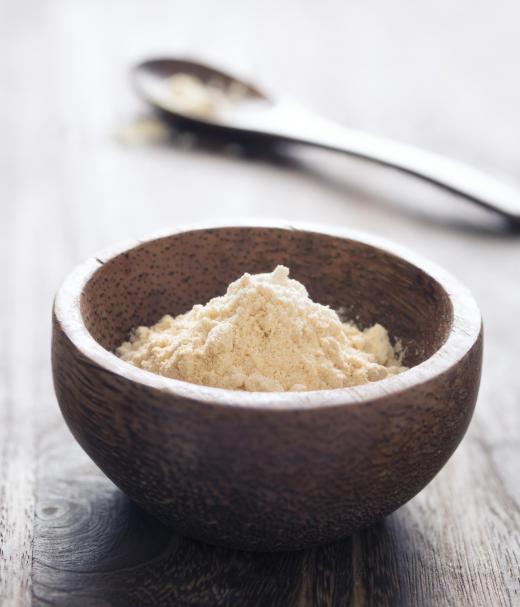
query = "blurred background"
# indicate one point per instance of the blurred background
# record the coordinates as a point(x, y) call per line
point(439, 75)
point(83, 164)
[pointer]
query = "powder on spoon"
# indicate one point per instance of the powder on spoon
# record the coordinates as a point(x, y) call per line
point(265, 334)
point(191, 95)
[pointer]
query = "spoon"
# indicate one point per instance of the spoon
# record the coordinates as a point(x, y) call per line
point(256, 116)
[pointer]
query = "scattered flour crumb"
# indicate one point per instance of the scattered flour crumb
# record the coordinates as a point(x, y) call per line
point(265, 334)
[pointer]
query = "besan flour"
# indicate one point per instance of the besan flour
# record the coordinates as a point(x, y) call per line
point(265, 334)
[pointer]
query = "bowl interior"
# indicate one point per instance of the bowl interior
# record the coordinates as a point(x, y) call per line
point(171, 274)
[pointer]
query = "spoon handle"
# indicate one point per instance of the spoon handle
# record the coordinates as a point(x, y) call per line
point(302, 126)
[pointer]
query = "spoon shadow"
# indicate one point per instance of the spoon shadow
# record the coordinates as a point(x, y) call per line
point(436, 208)
point(383, 191)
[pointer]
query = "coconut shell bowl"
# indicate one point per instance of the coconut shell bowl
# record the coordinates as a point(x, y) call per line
point(266, 471)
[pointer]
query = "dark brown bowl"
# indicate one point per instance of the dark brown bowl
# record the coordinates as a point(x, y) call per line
point(266, 471)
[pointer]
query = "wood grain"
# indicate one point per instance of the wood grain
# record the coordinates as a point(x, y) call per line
point(437, 75)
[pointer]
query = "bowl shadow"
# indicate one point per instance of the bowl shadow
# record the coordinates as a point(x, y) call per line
point(94, 546)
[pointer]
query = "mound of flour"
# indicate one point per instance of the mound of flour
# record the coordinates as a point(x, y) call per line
point(265, 334)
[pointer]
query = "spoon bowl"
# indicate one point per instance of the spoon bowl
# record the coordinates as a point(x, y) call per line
point(151, 80)
point(159, 69)
point(266, 471)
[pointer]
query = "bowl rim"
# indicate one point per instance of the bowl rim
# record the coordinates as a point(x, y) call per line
point(464, 331)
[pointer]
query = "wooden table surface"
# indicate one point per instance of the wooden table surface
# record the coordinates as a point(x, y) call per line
point(77, 175)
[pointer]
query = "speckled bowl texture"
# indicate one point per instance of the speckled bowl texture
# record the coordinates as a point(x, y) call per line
point(266, 471)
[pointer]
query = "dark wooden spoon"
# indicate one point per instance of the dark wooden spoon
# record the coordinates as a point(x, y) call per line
point(259, 117)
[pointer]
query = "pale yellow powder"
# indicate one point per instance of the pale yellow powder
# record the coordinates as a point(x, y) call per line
point(265, 334)
point(191, 95)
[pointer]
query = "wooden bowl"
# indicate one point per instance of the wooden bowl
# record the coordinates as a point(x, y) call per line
point(266, 471)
